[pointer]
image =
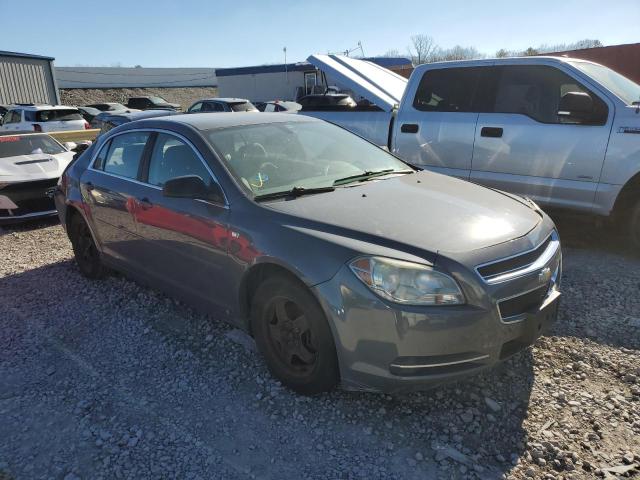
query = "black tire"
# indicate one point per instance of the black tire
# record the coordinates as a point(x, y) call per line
point(634, 225)
point(84, 249)
point(293, 335)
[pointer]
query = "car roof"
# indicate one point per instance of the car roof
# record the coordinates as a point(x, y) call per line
point(224, 100)
point(206, 121)
point(42, 107)
point(132, 116)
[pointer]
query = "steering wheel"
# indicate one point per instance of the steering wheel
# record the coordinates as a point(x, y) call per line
point(254, 149)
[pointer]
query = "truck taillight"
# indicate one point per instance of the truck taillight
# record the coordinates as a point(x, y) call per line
point(37, 128)
point(86, 125)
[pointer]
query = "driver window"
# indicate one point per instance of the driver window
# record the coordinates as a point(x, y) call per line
point(171, 158)
point(196, 108)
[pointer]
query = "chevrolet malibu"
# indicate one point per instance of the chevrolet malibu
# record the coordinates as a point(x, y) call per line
point(346, 265)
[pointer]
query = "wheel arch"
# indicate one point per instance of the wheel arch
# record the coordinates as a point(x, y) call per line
point(629, 194)
point(252, 279)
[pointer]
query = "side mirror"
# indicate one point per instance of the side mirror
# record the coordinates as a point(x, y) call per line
point(577, 105)
point(192, 186)
point(70, 146)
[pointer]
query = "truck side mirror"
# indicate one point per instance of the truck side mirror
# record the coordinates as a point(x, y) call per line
point(576, 106)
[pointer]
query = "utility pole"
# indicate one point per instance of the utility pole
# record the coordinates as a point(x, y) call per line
point(286, 68)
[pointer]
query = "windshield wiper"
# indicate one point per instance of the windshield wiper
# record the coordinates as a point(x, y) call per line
point(367, 174)
point(294, 192)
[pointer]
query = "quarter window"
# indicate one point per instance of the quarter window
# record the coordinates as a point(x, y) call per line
point(447, 90)
point(536, 90)
point(124, 154)
point(172, 158)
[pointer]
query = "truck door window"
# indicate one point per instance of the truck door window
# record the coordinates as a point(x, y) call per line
point(447, 90)
point(536, 91)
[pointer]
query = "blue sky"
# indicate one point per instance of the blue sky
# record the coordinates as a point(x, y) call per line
point(200, 33)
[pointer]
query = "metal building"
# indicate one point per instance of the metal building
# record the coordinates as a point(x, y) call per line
point(26, 78)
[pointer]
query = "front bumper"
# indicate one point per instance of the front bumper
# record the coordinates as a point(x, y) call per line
point(389, 347)
point(25, 201)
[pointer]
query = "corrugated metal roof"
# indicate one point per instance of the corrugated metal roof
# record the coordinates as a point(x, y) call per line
point(4, 53)
point(119, 77)
point(386, 62)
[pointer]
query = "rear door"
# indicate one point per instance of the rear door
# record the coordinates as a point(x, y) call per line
point(523, 146)
point(110, 186)
point(186, 239)
point(437, 122)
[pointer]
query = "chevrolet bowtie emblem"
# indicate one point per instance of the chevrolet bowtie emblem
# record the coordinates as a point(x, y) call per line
point(545, 275)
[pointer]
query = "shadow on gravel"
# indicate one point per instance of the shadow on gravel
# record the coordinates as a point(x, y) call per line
point(29, 226)
point(584, 232)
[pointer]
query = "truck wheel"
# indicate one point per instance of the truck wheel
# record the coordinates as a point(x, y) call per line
point(292, 333)
point(84, 249)
point(634, 225)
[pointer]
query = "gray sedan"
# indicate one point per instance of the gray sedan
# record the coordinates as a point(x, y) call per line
point(346, 264)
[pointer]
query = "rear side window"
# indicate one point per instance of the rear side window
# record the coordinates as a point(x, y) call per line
point(536, 90)
point(58, 115)
point(242, 107)
point(447, 90)
point(123, 154)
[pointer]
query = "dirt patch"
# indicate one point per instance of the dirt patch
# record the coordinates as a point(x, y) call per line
point(185, 96)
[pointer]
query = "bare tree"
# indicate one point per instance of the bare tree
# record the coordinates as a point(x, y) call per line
point(502, 53)
point(393, 52)
point(421, 47)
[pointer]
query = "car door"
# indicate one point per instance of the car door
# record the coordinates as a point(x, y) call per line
point(186, 239)
point(524, 145)
point(436, 129)
point(110, 186)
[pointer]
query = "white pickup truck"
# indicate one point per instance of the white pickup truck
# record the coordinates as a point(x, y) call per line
point(563, 132)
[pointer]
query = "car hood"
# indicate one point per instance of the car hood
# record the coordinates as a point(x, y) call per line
point(33, 167)
point(377, 84)
point(421, 212)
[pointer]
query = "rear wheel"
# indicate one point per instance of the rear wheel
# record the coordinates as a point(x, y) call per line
point(84, 249)
point(634, 225)
point(293, 335)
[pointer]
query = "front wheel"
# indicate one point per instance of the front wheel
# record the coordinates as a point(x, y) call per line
point(84, 249)
point(293, 335)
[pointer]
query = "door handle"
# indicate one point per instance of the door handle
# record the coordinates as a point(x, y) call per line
point(145, 203)
point(409, 128)
point(491, 132)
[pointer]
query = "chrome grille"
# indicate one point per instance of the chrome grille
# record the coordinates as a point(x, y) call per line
point(521, 264)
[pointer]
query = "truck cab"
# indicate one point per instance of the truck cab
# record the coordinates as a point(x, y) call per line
point(564, 132)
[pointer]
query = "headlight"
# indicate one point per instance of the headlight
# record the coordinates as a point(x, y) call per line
point(407, 282)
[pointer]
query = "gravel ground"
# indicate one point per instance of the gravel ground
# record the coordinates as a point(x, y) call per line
point(104, 380)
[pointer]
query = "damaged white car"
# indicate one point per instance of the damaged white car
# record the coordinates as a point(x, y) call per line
point(30, 165)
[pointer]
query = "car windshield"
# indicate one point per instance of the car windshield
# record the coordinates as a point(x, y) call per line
point(627, 90)
point(157, 100)
point(278, 157)
point(16, 145)
point(243, 107)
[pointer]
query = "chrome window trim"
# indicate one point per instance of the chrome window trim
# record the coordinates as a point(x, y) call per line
point(539, 263)
point(166, 132)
